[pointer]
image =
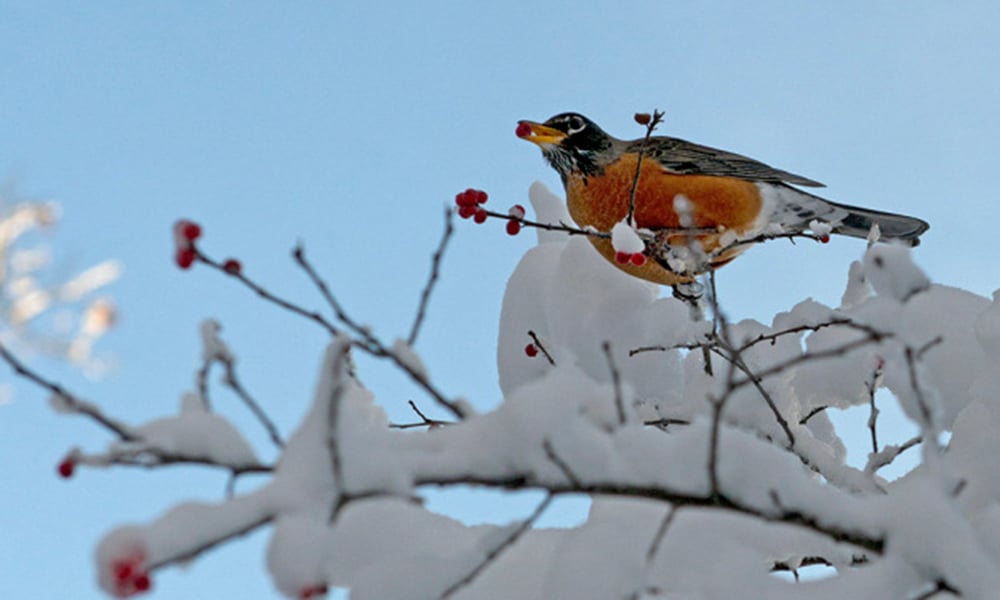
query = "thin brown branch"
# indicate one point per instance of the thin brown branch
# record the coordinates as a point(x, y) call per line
point(233, 382)
point(432, 278)
point(72, 402)
point(661, 534)
point(369, 342)
point(812, 414)
point(550, 452)
point(616, 381)
point(541, 347)
point(497, 550)
point(189, 554)
point(261, 291)
point(650, 126)
point(425, 421)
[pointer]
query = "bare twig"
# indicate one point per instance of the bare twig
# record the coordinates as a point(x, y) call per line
point(189, 554)
point(616, 381)
point(812, 414)
point(333, 427)
point(494, 552)
point(541, 347)
point(266, 295)
point(550, 452)
point(653, 122)
point(661, 533)
point(371, 344)
point(72, 402)
point(873, 411)
point(424, 420)
point(234, 384)
point(433, 277)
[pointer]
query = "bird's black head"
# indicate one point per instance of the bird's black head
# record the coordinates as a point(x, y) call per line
point(571, 143)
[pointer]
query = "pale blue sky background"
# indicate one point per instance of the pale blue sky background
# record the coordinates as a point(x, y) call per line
point(349, 125)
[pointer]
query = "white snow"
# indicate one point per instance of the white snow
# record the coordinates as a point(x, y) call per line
point(741, 494)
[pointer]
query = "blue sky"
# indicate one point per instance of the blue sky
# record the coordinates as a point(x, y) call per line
point(348, 126)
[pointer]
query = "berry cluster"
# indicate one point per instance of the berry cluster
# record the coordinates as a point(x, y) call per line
point(186, 233)
point(469, 205)
point(636, 258)
point(130, 576)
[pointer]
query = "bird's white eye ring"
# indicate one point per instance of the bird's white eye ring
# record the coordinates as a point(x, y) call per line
point(575, 125)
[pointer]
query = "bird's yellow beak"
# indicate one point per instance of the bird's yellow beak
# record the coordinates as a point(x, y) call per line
point(537, 133)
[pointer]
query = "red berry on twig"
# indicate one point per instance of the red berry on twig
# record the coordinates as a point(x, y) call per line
point(481, 197)
point(185, 257)
point(465, 211)
point(232, 266)
point(480, 216)
point(531, 350)
point(66, 468)
point(188, 230)
point(825, 238)
point(142, 582)
point(516, 211)
point(622, 257)
point(638, 259)
point(513, 227)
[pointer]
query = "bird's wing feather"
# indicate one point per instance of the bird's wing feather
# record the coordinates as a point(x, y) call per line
point(687, 158)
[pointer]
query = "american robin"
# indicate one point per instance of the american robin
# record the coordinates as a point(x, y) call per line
point(732, 201)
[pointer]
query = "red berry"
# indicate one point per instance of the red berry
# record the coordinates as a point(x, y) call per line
point(189, 230)
point(122, 571)
point(823, 239)
point(232, 266)
point(531, 350)
point(480, 216)
point(516, 211)
point(622, 257)
point(142, 582)
point(312, 592)
point(66, 468)
point(513, 227)
point(481, 197)
point(638, 259)
point(523, 130)
point(465, 211)
point(185, 257)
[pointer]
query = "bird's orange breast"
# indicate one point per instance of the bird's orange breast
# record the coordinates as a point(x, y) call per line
point(718, 203)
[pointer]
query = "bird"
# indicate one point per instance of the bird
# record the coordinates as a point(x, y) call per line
point(687, 193)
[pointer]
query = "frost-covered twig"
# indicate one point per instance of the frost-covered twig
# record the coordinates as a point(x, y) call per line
point(888, 454)
point(872, 386)
point(493, 553)
point(189, 553)
point(425, 294)
point(339, 368)
point(148, 456)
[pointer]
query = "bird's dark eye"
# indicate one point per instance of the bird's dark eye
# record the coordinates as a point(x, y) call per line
point(575, 124)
